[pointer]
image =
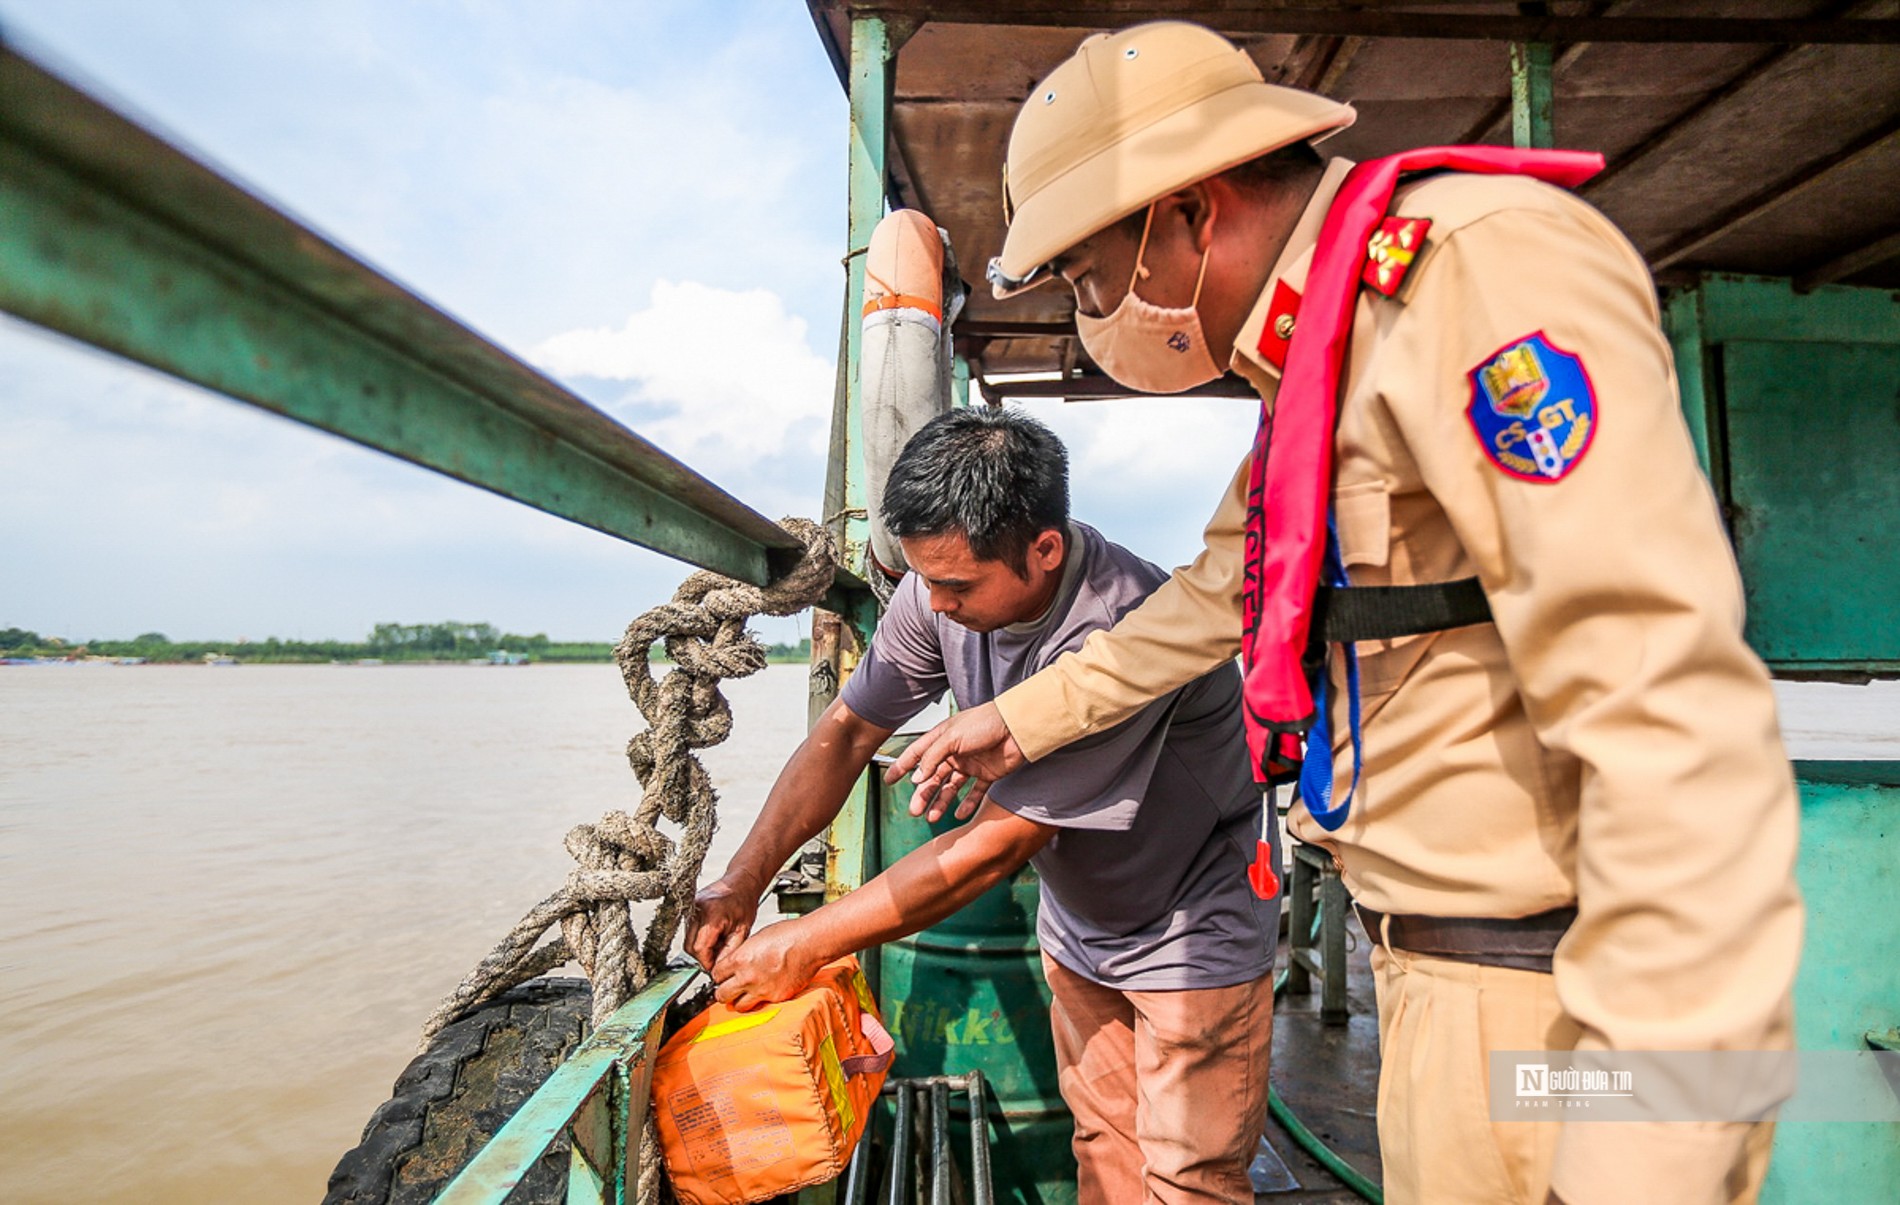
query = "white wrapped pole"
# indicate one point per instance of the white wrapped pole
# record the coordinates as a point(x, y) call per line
point(912, 294)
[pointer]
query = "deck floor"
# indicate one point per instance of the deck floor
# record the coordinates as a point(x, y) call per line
point(1329, 1076)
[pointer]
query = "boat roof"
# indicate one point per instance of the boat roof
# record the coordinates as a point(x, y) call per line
point(1750, 136)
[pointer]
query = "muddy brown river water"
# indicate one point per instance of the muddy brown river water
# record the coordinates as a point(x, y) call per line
point(229, 896)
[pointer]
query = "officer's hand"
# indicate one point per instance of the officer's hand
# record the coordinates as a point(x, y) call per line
point(722, 918)
point(970, 746)
point(773, 964)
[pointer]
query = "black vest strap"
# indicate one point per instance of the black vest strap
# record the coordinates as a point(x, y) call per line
point(1342, 615)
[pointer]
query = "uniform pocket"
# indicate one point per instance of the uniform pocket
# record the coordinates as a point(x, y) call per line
point(1363, 513)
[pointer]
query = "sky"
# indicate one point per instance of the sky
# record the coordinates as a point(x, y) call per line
point(645, 200)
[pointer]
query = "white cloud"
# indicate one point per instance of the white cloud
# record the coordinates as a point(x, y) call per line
point(730, 375)
point(1149, 471)
point(1158, 442)
point(533, 171)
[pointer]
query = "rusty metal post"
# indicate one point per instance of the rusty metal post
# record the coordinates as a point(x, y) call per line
point(1531, 94)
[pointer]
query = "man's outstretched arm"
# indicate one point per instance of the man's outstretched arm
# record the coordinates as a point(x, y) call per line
point(926, 885)
point(1184, 629)
point(807, 796)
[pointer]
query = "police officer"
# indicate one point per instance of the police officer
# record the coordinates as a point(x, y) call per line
point(1570, 824)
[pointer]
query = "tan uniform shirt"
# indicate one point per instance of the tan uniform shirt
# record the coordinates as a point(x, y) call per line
point(1610, 740)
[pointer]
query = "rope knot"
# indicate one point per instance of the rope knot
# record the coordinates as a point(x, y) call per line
point(625, 858)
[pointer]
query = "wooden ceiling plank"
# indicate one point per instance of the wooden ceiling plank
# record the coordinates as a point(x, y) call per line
point(1772, 198)
point(1259, 18)
point(1851, 264)
point(1336, 70)
point(1674, 129)
point(1313, 65)
point(994, 328)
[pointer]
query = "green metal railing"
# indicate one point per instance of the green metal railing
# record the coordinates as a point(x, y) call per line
point(598, 1097)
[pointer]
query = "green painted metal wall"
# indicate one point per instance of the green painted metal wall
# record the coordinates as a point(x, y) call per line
point(1794, 402)
point(1814, 495)
point(1849, 983)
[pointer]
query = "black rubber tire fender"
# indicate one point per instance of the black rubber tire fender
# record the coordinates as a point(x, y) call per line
point(454, 1096)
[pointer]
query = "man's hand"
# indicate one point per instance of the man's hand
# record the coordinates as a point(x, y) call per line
point(970, 746)
point(722, 918)
point(773, 964)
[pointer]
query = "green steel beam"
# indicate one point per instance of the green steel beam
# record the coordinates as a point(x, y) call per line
point(113, 237)
point(1682, 321)
point(872, 73)
point(852, 838)
point(1531, 94)
point(870, 76)
point(617, 1058)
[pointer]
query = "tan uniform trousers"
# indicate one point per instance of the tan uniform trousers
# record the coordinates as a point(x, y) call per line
point(1169, 1089)
point(1437, 1019)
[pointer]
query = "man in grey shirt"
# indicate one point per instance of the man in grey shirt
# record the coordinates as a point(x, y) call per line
point(1157, 950)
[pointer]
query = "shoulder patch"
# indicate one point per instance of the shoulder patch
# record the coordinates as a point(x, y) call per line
point(1390, 252)
point(1533, 409)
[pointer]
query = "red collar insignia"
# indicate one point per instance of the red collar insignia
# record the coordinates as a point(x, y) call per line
point(1390, 252)
point(1278, 331)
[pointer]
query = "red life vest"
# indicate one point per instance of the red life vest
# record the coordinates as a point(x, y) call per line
point(1290, 479)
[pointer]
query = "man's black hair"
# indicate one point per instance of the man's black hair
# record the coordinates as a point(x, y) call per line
point(1291, 166)
point(997, 477)
point(1287, 167)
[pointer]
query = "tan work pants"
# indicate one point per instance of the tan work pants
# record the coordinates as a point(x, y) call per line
point(1437, 1142)
point(1169, 1089)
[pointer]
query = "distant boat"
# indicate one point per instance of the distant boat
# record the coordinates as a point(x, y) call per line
point(504, 657)
point(219, 659)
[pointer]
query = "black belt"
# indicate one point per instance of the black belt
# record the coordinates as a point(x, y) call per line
point(1346, 614)
point(1523, 943)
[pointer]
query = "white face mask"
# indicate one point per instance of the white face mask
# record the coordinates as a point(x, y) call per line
point(1145, 346)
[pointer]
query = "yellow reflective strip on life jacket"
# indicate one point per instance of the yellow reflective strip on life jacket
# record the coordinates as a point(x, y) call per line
point(834, 1079)
point(738, 1024)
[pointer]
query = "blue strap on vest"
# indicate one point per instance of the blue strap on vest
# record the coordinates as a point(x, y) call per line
point(1316, 768)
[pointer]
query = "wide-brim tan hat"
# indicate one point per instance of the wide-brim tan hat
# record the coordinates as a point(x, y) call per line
point(1132, 116)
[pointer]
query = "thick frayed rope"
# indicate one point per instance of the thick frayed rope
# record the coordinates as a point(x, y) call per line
point(627, 858)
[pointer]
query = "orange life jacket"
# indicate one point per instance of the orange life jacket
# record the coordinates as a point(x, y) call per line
point(752, 1105)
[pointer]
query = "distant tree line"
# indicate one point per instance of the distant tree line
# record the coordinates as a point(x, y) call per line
point(446, 641)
